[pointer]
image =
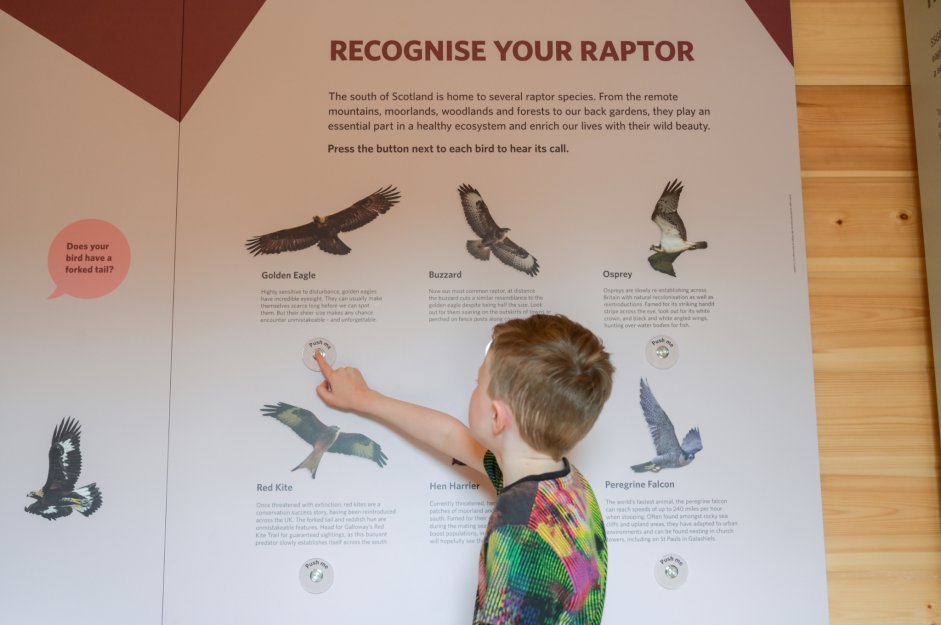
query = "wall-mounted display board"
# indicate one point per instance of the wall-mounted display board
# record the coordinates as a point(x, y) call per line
point(923, 29)
point(344, 183)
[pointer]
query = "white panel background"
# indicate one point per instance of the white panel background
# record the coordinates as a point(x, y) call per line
point(253, 159)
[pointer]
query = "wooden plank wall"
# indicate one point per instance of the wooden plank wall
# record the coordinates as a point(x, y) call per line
point(877, 416)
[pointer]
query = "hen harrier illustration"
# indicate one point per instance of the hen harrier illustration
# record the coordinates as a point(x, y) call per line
point(58, 497)
point(670, 453)
point(492, 236)
point(672, 231)
point(323, 231)
point(323, 438)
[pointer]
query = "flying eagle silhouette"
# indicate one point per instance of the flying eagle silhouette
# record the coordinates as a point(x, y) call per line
point(492, 236)
point(323, 438)
point(323, 231)
point(670, 453)
point(58, 497)
point(672, 231)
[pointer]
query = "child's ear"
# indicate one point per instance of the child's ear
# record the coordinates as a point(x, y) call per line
point(503, 416)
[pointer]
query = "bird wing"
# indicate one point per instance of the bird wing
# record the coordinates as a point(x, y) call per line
point(515, 256)
point(359, 445)
point(304, 423)
point(364, 211)
point(49, 509)
point(692, 442)
point(672, 230)
point(65, 457)
point(663, 262)
point(665, 213)
point(476, 212)
point(661, 428)
point(287, 240)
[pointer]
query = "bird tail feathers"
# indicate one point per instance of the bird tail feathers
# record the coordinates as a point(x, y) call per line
point(643, 468)
point(478, 250)
point(89, 499)
point(333, 245)
point(699, 245)
point(311, 462)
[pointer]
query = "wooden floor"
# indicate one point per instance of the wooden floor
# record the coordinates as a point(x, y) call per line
point(878, 422)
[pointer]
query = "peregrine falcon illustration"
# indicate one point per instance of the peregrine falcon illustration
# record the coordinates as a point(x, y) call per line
point(58, 497)
point(670, 453)
point(323, 231)
point(492, 237)
point(672, 231)
point(323, 438)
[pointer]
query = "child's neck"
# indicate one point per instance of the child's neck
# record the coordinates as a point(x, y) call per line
point(516, 458)
point(517, 466)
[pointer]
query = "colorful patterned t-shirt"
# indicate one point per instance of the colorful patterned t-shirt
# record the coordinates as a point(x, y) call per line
point(545, 556)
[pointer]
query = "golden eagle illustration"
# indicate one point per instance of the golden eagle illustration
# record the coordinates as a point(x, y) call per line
point(323, 438)
point(672, 230)
point(58, 497)
point(492, 236)
point(323, 231)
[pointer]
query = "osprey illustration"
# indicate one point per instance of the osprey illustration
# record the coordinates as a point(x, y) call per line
point(492, 237)
point(323, 231)
point(670, 453)
point(58, 497)
point(323, 438)
point(672, 231)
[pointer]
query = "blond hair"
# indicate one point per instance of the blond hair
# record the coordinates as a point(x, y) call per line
point(554, 374)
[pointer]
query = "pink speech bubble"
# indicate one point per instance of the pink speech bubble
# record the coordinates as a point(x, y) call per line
point(88, 258)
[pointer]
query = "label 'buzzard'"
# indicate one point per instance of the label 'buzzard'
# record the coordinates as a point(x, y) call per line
point(58, 497)
point(323, 231)
point(492, 236)
point(672, 230)
point(324, 438)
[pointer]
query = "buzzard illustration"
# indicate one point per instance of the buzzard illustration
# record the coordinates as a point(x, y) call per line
point(672, 231)
point(492, 236)
point(670, 453)
point(323, 231)
point(323, 438)
point(58, 497)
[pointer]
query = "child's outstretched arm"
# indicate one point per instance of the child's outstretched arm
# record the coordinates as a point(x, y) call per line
point(346, 389)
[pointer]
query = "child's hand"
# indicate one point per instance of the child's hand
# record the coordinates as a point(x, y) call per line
point(342, 388)
point(345, 389)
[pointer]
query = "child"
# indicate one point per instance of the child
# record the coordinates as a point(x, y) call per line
point(539, 390)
